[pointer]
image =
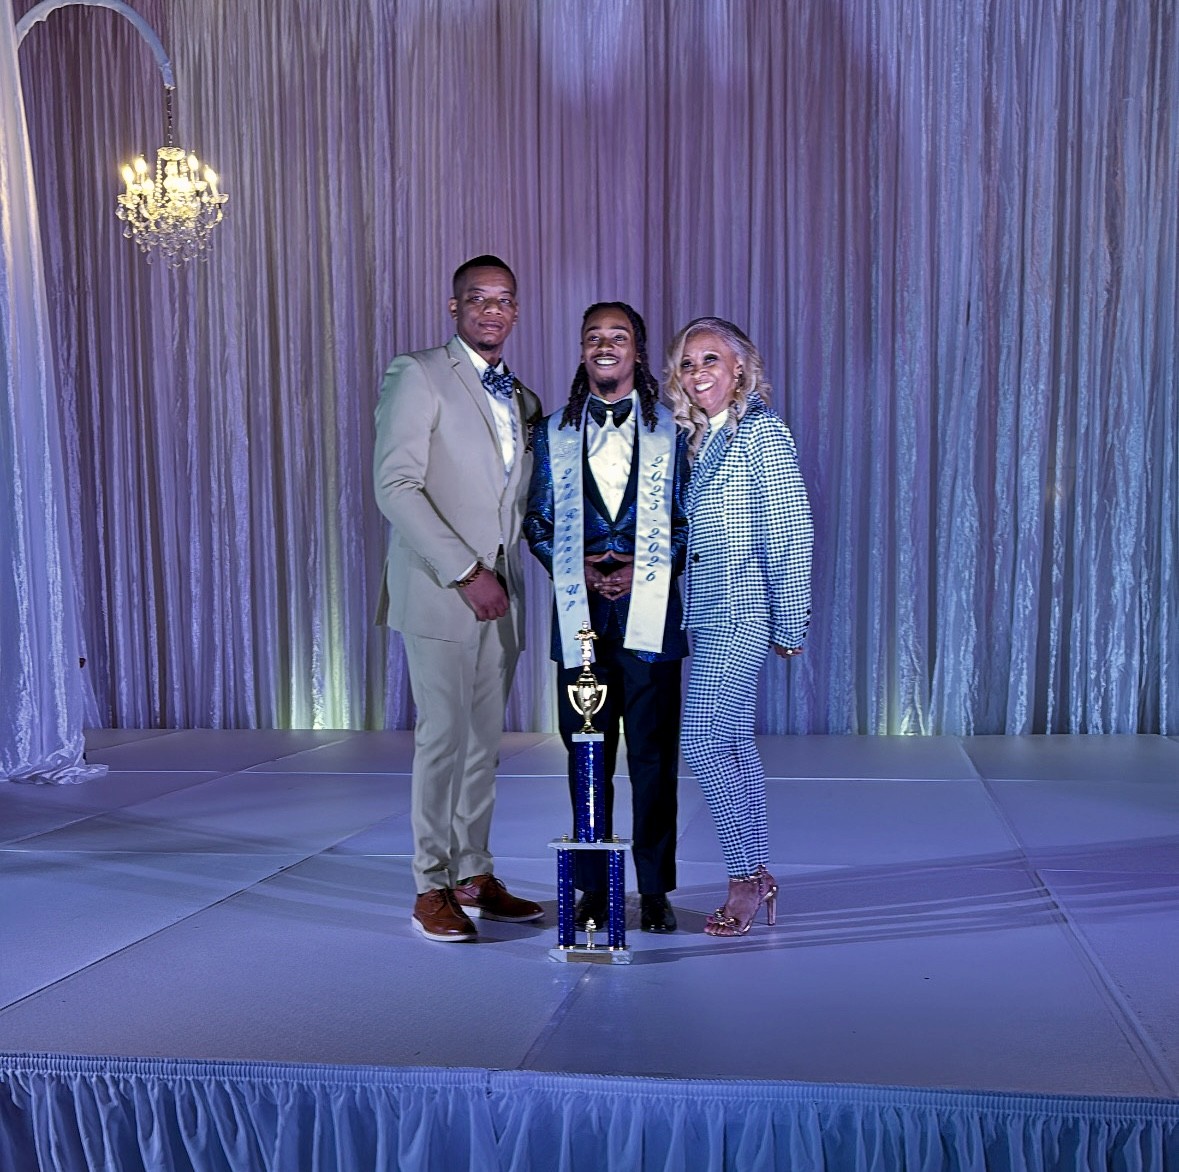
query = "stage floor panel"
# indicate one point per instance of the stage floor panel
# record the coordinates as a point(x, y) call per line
point(985, 913)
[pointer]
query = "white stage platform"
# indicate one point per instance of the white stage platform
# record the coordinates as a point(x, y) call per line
point(996, 915)
point(988, 914)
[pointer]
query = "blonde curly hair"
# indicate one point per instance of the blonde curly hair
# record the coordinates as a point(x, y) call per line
point(751, 384)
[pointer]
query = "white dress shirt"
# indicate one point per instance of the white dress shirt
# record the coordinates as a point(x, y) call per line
point(610, 449)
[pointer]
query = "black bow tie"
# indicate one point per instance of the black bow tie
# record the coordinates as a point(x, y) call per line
point(619, 412)
point(499, 385)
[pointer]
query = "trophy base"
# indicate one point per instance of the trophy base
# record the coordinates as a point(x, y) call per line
point(614, 950)
point(581, 954)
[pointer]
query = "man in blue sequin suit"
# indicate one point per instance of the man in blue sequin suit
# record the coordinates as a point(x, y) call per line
point(605, 517)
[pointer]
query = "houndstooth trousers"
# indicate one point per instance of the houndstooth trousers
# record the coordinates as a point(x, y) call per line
point(717, 739)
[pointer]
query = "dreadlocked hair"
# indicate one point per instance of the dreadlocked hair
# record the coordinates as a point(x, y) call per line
point(646, 384)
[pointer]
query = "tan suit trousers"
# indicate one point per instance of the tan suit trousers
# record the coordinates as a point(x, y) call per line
point(461, 690)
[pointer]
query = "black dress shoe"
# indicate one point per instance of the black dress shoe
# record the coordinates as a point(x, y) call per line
point(591, 906)
point(655, 914)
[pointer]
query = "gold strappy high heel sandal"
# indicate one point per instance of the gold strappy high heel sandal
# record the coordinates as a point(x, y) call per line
point(746, 895)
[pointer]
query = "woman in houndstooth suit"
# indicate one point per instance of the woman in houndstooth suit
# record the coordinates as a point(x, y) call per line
point(746, 588)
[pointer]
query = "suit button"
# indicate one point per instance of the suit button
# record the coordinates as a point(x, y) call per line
point(695, 557)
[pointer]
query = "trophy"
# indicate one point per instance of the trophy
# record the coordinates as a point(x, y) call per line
point(587, 696)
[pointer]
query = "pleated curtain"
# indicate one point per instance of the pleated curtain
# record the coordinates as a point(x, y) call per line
point(950, 227)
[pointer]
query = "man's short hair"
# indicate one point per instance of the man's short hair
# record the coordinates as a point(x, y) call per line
point(487, 261)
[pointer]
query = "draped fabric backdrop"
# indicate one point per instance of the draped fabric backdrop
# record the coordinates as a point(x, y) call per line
point(42, 692)
point(951, 228)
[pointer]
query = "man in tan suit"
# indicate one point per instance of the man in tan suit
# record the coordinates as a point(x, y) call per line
point(451, 467)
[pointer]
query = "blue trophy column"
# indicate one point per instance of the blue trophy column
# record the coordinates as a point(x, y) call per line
point(589, 817)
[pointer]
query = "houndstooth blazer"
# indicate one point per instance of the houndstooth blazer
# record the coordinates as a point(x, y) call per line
point(749, 532)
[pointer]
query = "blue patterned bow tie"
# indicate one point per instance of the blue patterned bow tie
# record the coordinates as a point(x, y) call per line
point(502, 386)
point(619, 412)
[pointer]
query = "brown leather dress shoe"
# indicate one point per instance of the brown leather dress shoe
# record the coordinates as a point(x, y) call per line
point(437, 916)
point(486, 896)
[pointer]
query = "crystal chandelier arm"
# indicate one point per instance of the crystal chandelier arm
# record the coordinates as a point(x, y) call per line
point(40, 11)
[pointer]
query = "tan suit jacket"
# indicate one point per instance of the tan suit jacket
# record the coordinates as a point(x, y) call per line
point(439, 474)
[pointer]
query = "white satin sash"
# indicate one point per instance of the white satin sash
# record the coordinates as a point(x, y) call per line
point(652, 567)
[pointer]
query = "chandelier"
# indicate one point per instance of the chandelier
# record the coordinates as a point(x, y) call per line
point(171, 210)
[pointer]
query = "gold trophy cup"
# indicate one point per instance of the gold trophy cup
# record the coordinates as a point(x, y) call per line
point(586, 694)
